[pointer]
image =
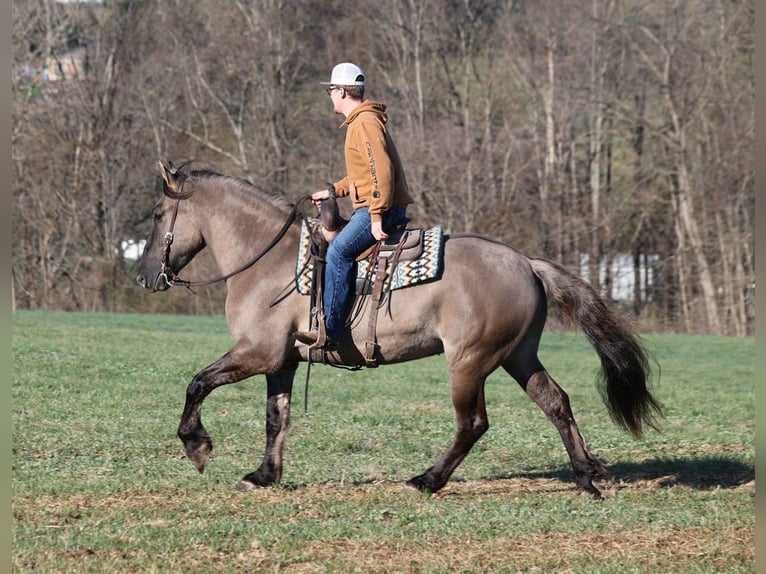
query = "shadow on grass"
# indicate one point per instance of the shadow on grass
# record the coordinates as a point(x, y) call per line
point(706, 473)
point(701, 473)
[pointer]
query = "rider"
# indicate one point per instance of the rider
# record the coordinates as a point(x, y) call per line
point(376, 185)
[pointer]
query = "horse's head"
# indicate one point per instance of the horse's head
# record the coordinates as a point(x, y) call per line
point(175, 236)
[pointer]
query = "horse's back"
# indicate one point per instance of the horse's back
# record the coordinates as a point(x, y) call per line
point(487, 295)
point(472, 252)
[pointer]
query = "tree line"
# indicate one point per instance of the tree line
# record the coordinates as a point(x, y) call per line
point(613, 136)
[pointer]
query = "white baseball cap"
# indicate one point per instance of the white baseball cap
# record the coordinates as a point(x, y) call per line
point(346, 74)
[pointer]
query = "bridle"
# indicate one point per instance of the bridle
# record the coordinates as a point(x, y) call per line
point(170, 276)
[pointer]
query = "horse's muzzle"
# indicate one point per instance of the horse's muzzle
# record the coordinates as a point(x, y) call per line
point(159, 283)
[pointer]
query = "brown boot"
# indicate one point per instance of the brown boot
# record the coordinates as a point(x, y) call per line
point(307, 337)
point(311, 338)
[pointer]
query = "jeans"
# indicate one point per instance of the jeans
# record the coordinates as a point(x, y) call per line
point(340, 276)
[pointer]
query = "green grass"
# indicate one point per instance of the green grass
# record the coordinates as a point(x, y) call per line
point(100, 483)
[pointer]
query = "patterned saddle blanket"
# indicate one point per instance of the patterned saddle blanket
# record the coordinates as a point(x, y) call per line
point(426, 267)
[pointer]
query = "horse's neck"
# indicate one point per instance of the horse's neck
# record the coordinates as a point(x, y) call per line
point(238, 226)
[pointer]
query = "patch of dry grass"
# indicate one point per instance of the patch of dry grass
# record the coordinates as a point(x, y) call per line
point(633, 550)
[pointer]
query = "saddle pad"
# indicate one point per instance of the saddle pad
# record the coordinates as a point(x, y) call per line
point(426, 267)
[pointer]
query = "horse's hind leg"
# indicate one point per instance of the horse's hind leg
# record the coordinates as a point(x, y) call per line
point(471, 421)
point(554, 402)
point(279, 393)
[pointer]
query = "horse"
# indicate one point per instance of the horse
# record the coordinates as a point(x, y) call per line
point(487, 310)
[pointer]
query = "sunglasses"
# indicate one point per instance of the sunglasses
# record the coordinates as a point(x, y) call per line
point(331, 88)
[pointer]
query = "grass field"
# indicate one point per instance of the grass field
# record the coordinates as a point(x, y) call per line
point(100, 483)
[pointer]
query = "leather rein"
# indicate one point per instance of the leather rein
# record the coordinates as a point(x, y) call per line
point(172, 279)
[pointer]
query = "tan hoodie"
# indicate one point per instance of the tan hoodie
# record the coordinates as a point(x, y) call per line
point(375, 175)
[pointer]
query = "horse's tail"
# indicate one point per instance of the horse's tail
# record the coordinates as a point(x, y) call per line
point(625, 368)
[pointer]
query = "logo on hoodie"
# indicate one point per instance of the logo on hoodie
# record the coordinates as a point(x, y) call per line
point(373, 170)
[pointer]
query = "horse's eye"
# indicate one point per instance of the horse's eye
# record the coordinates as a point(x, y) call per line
point(157, 215)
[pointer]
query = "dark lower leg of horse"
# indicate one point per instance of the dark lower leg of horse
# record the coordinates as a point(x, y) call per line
point(472, 423)
point(434, 479)
point(554, 402)
point(197, 442)
point(279, 392)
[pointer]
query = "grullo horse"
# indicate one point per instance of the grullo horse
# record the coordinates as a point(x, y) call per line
point(486, 311)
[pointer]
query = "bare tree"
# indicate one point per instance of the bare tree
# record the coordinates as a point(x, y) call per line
point(676, 56)
point(563, 128)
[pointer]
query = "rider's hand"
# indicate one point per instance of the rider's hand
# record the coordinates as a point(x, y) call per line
point(377, 230)
point(319, 196)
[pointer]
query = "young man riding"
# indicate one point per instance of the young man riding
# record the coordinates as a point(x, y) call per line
point(375, 183)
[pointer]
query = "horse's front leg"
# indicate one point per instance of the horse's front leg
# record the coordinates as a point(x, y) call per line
point(230, 368)
point(279, 391)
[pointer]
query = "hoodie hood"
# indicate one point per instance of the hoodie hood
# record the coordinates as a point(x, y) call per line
point(368, 106)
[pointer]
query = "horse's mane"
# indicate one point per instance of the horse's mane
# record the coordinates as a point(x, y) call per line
point(275, 199)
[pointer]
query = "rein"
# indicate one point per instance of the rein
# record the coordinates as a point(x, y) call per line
point(174, 280)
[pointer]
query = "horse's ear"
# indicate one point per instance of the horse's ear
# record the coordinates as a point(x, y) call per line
point(174, 180)
point(168, 173)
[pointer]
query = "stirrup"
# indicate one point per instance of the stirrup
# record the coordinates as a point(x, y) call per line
point(314, 339)
point(321, 340)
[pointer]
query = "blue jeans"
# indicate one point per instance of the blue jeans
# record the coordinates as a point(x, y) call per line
point(340, 276)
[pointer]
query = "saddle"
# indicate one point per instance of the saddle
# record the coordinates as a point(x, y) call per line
point(408, 242)
point(403, 243)
point(378, 263)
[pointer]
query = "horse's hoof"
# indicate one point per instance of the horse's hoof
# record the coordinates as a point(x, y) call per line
point(200, 456)
point(412, 485)
point(592, 491)
point(422, 484)
point(258, 479)
point(245, 486)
